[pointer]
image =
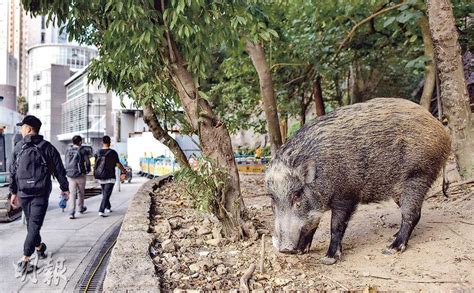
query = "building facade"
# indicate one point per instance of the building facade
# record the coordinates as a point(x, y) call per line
point(8, 62)
point(50, 65)
point(92, 112)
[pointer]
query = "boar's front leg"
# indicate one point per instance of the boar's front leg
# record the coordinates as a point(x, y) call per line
point(341, 211)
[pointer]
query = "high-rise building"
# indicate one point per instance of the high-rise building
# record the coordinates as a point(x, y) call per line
point(50, 65)
point(18, 32)
point(8, 63)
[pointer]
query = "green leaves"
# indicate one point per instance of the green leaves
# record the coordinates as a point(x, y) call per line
point(203, 186)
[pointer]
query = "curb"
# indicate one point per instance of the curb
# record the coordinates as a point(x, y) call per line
point(130, 267)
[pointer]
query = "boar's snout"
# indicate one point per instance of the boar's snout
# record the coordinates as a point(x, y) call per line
point(293, 241)
point(283, 247)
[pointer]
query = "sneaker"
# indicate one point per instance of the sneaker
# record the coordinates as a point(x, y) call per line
point(71, 216)
point(108, 210)
point(42, 251)
point(83, 210)
point(103, 215)
point(24, 267)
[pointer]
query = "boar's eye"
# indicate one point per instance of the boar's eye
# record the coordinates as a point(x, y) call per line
point(296, 198)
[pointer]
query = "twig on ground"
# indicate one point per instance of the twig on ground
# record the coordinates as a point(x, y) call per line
point(335, 282)
point(244, 287)
point(177, 216)
point(451, 185)
point(262, 254)
point(410, 281)
point(467, 223)
point(455, 222)
point(257, 195)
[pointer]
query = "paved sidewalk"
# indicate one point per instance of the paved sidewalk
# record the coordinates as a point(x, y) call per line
point(72, 241)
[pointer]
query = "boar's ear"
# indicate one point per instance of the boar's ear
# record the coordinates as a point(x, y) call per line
point(307, 172)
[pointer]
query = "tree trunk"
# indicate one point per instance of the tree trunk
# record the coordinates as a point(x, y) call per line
point(257, 55)
point(355, 84)
point(454, 99)
point(284, 128)
point(339, 94)
point(216, 145)
point(430, 68)
point(303, 108)
point(161, 135)
point(318, 97)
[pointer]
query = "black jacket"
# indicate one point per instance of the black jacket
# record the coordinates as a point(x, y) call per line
point(55, 165)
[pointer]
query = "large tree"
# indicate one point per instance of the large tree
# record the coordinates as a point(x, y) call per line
point(151, 47)
point(454, 98)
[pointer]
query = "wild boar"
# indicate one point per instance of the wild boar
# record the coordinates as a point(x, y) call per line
point(362, 153)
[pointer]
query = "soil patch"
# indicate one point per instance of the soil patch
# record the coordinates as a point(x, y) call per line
point(189, 253)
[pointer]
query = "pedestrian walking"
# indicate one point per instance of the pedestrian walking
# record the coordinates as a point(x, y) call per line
point(34, 161)
point(106, 160)
point(77, 167)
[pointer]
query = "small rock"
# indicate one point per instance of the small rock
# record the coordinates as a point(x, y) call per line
point(221, 270)
point(195, 275)
point(203, 253)
point(176, 267)
point(203, 230)
point(216, 233)
point(199, 242)
point(185, 243)
point(218, 285)
point(233, 252)
point(213, 242)
point(168, 273)
point(172, 260)
point(281, 281)
point(168, 246)
point(167, 255)
point(195, 267)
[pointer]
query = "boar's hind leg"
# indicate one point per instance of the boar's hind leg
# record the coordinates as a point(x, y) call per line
point(341, 211)
point(410, 206)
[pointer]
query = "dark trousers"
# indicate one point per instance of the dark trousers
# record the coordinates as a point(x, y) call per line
point(35, 210)
point(106, 193)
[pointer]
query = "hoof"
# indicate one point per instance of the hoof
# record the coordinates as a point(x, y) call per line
point(328, 260)
point(391, 250)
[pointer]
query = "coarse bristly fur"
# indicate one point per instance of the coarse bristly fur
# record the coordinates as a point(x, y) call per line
point(363, 153)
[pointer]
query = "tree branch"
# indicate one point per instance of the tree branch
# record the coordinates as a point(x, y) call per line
point(349, 35)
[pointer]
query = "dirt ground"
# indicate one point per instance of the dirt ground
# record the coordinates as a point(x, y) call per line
point(189, 252)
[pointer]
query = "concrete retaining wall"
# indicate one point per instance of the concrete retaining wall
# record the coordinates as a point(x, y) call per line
point(130, 267)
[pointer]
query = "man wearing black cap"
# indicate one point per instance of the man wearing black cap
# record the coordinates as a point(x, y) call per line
point(34, 161)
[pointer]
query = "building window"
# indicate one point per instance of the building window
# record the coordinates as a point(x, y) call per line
point(36, 106)
point(43, 37)
point(37, 93)
point(37, 77)
point(43, 22)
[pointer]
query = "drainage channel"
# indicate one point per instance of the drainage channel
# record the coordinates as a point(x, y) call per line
point(93, 278)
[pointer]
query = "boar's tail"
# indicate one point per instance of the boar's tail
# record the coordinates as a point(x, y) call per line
point(445, 182)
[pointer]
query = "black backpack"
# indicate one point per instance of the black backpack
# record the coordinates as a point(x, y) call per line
point(32, 169)
point(74, 162)
point(99, 169)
